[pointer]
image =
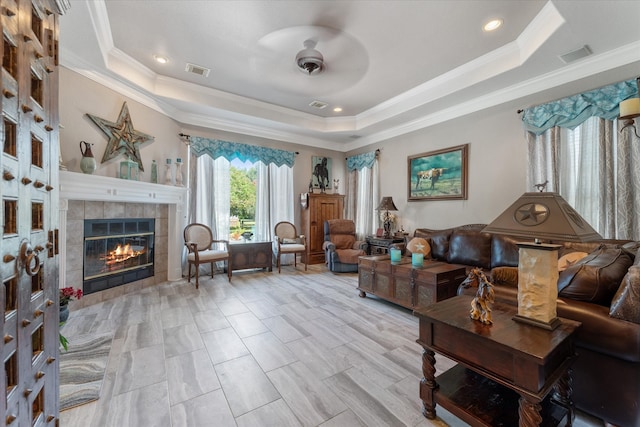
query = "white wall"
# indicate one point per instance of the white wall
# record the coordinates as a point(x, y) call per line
point(497, 165)
point(80, 95)
point(497, 152)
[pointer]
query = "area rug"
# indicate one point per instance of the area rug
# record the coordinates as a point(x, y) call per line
point(82, 369)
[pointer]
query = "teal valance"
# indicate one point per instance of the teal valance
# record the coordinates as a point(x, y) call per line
point(359, 161)
point(572, 111)
point(235, 150)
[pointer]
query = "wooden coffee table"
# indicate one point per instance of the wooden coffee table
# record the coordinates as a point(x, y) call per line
point(405, 285)
point(508, 373)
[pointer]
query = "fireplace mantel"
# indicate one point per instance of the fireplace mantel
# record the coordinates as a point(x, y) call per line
point(79, 186)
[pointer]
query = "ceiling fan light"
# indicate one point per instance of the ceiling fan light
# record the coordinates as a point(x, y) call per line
point(309, 60)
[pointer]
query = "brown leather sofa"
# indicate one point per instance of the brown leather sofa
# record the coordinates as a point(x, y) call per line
point(606, 373)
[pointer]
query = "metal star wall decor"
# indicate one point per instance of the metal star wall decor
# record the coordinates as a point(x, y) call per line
point(123, 138)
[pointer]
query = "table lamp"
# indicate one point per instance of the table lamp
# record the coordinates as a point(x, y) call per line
point(540, 216)
point(386, 204)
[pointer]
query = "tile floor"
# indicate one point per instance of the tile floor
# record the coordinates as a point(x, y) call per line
point(268, 349)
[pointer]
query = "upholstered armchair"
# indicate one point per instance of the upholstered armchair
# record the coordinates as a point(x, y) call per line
point(287, 241)
point(204, 249)
point(341, 248)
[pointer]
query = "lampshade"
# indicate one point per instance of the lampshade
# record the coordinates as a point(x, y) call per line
point(630, 108)
point(539, 216)
point(386, 204)
point(543, 216)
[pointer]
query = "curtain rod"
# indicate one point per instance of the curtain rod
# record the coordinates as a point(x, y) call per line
point(188, 137)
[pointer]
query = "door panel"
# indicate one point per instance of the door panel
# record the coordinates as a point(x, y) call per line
point(30, 213)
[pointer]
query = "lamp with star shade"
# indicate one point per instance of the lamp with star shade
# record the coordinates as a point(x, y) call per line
point(540, 216)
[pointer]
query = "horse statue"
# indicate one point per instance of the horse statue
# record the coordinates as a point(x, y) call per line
point(480, 309)
point(321, 172)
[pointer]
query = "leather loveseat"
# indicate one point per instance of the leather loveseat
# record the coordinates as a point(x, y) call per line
point(606, 373)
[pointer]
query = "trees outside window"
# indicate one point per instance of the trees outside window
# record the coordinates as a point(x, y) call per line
point(242, 198)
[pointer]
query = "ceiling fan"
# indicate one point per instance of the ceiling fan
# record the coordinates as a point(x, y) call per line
point(309, 60)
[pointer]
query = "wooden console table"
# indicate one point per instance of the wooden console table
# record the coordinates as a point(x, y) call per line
point(508, 373)
point(248, 254)
point(405, 285)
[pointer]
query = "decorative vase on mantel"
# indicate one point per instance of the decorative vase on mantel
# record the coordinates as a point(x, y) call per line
point(88, 162)
point(64, 312)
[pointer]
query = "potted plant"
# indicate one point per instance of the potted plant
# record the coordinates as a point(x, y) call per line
point(66, 295)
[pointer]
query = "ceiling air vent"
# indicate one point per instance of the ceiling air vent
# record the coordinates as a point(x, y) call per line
point(574, 55)
point(318, 104)
point(196, 69)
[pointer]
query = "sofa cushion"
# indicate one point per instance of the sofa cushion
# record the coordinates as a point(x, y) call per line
point(504, 251)
point(569, 259)
point(470, 248)
point(626, 302)
point(596, 277)
point(419, 245)
point(439, 242)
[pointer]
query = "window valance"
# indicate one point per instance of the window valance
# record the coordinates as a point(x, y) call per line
point(359, 161)
point(235, 150)
point(572, 111)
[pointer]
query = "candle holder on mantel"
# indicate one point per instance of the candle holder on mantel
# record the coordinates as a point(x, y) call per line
point(167, 173)
point(179, 178)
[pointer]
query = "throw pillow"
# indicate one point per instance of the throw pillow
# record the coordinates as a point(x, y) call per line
point(570, 259)
point(626, 302)
point(419, 245)
point(507, 276)
point(290, 241)
point(596, 277)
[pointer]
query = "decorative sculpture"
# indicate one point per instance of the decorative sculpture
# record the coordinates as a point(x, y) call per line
point(123, 138)
point(480, 309)
point(321, 172)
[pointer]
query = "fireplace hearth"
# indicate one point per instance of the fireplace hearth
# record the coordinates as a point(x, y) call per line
point(117, 251)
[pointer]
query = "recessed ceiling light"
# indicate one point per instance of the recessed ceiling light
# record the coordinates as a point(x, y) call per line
point(160, 59)
point(494, 24)
point(337, 110)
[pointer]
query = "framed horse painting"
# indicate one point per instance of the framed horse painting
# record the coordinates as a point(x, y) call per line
point(321, 175)
point(439, 175)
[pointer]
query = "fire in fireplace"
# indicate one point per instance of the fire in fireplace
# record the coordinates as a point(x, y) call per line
point(116, 252)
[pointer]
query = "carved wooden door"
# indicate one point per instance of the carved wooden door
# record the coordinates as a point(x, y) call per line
point(29, 194)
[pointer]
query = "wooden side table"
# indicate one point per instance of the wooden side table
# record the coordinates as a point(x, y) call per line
point(245, 255)
point(508, 373)
point(380, 245)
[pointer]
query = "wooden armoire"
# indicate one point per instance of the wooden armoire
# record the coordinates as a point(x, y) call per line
point(321, 207)
point(29, 192)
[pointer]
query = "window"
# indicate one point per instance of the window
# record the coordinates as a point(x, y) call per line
point(242, 201)
point(594, 167)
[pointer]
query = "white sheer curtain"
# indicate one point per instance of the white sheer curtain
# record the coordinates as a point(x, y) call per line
point(595, 168)
point(210, 190)
point(274, 201)
point(274, 198)
point(363, 197)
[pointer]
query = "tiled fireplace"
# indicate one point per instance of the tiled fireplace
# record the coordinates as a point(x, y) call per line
point(86, 199)
point(117, 252)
